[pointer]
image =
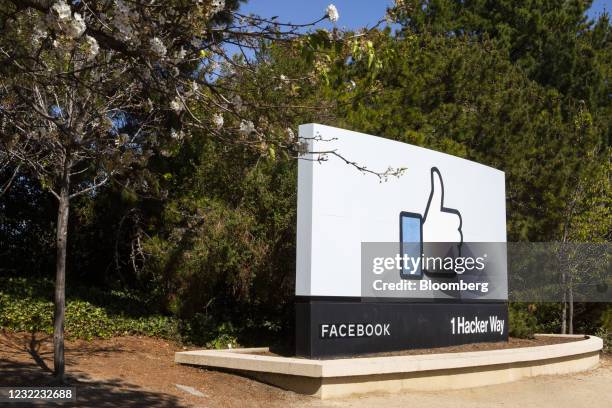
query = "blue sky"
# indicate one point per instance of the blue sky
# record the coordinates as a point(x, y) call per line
point(353, 13)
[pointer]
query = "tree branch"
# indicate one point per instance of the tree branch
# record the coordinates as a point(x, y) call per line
point(90, 188)
point(6, 186)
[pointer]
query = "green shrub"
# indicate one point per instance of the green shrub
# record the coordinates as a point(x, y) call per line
point(605, 331)
point(224, 337)
point(606, 336)
point(204, 330)
point(25, 314)
point(523, 324)
point(606, 319)
point(24, 308)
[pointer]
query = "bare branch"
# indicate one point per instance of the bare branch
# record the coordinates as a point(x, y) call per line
point(8, 184)
point(382, 175)
point(90, 188)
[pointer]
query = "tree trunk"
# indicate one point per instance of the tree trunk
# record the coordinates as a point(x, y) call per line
point(564, 311)
point(60, 271)
point(564, 316)
point(571, 307)
point(563, 265)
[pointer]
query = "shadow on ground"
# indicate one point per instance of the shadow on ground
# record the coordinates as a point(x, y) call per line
point(90, 392)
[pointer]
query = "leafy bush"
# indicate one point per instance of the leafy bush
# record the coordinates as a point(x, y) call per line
point(606, 336)
point(223, 246)
point(523, 323)
point(605, 331)
point(606, 319)
point(202, 329)
point(83, 320)
point(25, 314)
point(24, 308)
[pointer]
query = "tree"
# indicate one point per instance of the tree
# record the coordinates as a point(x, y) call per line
point(222, 247)
point(91, 91)
point(588, 224)
point(557, 46)
point(549, 39)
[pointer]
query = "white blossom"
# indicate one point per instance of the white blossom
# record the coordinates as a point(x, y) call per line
point(76, 27)
point(38, 34)
point(177, 135)
point(237, 102)
point(290, 134)
point(157, 46)
point(194, 86)
point(60, 17)
point(92, 47)
point(246, 127)
point(181, 53)
point(218, 120)
point(176, 105)
point(61, 11)
point(332, 13)
point(284, 79)
point(217, 6)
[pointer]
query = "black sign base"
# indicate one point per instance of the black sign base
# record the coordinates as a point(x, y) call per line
point(335, 328)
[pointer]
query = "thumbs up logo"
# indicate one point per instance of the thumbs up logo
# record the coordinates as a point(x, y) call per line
point(435, 234)
point(440, 224)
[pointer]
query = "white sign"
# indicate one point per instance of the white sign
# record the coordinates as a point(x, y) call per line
point(340, 207)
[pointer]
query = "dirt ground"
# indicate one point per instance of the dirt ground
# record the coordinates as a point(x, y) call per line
point(140, 372)
point(511, 343)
